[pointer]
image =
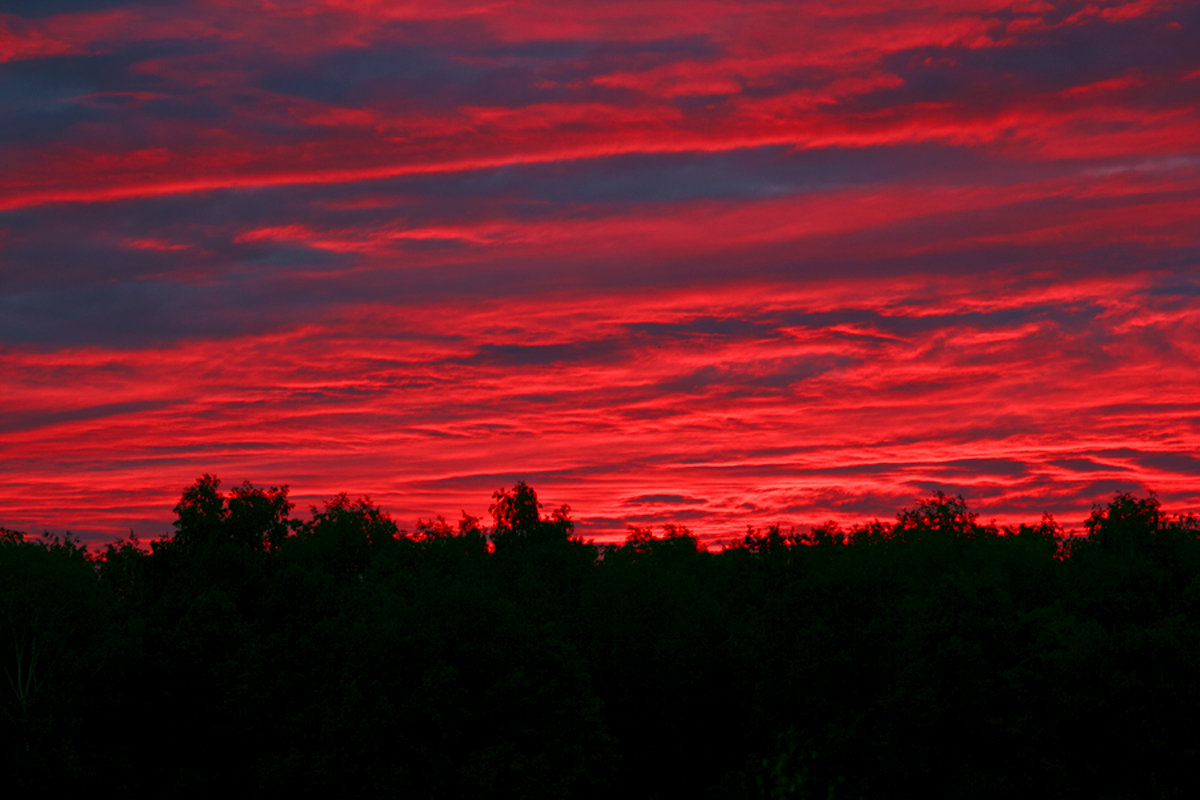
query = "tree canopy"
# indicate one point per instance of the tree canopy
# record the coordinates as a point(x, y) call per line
point(336, 652)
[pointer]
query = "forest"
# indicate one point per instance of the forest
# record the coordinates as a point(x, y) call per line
point(256, 652)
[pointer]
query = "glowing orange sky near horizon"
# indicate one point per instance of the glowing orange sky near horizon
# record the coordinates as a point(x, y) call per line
point(713, 263)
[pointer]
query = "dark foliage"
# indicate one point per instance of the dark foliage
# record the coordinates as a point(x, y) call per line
point(258, 654)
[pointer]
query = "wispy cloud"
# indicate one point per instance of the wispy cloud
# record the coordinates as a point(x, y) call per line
point(719, 263)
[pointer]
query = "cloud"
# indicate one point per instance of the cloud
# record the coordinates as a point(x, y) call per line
point(722, 263)
point(664, 499)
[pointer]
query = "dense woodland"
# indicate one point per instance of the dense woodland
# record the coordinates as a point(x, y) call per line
point(257, 653)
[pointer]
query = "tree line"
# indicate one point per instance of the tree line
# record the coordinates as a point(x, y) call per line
point(257, 652)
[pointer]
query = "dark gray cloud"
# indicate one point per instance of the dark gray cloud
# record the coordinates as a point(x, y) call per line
point(32, 419)
point(101, 98)
point(525, 355)
point(149, 312)
point(731, 381)
point(664, 499)
point(377, 75)
point(45, 8)
point(1103, 490)
point(1182, 463)
point(1048, 61)
point(704, 327)
point(1001, 467)
point(1085, 465)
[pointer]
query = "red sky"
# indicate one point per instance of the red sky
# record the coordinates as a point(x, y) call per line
point(716, 263)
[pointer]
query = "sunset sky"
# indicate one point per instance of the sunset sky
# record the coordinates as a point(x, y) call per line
point(696, 261)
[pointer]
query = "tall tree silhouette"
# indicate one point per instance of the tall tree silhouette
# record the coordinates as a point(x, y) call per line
point(346, 534)
point(518, 520)
point(251, 517)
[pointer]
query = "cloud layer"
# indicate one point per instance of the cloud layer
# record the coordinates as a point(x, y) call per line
point(708, 262)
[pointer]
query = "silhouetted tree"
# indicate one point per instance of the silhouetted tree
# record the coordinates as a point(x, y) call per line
point(518, 520)
point(52, 617)
point(122, 566)
point(251, 517)
point(932, 656)
point(468, 539)
point(200, 514)
point(258, 518)
point(1126, 524)
point(346, 534)
point(641, 544)
point(940, 516)
point(771, 540)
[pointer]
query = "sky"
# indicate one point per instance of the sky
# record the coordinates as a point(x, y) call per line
point(704, 262)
